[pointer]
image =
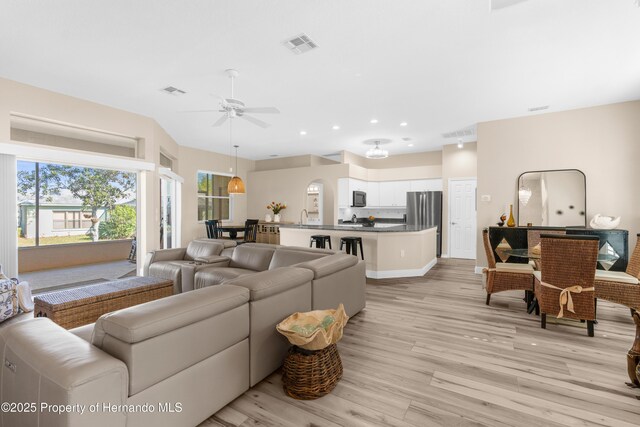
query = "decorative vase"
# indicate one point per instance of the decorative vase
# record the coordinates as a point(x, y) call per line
point(511, 222)
point(276, 218)
point(267, 218)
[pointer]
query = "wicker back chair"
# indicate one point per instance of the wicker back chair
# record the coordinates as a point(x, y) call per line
point(565, 285)
point(533, 240)
point(621, 287)
point(502, 276)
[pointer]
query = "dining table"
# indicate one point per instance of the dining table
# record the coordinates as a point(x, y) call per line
point(233, 230)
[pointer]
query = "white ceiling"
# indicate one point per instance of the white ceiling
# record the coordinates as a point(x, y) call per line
point(439, 65)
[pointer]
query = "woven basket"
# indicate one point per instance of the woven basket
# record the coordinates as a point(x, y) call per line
point(311, 374)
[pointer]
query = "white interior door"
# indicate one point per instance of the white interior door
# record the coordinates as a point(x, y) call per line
point(462, 218)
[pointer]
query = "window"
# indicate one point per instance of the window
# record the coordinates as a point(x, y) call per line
point(213, 199)
point(70, 220)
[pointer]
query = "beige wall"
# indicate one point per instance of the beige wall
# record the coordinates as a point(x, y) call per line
point(426, 158)
point(456, 163)
point(292, 162)
point(603, 142)
point(191, 161)
point(290, 186)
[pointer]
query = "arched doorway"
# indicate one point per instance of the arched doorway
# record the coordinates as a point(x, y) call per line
point(319, 202)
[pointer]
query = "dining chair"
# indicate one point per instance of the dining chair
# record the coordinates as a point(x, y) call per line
point(621, 287)
point(213, 232)
point(565, 286)
point(533, 240)
point(503, 276)
point(250, 231)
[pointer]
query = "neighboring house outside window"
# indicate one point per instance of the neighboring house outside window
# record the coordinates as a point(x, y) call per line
point(70, 220)
point(214, 201)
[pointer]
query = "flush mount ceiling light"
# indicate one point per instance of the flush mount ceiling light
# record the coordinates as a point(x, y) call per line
point(460, 144)
point(377, 152)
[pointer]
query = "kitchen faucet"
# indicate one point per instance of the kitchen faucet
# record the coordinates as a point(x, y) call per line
point(303, 211)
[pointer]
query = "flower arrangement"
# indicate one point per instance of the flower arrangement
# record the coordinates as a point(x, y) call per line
point(276, 207)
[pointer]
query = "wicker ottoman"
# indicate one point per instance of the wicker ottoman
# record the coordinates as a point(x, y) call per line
point(71, 308)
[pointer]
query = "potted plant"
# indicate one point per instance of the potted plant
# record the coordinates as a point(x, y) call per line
point(276, 208)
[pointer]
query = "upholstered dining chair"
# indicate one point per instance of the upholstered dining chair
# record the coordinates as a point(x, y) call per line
point(212, 229)
point(621, 286)
point(565, 285)
point(503, 276)
point(250, 231)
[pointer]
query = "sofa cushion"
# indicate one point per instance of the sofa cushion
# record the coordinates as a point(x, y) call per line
point(616, 276)
point(252, 257)
point(85, 332)
point(201, 248)
point(226, 243)
point(329, 264)
point(271, 282)
point(215, 276)
point(285, 257)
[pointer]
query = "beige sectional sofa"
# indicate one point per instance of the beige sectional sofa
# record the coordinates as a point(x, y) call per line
point(199, 349)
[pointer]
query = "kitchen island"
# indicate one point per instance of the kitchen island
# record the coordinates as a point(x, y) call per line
point(390, 250)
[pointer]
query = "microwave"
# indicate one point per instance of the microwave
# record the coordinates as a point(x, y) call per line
point(359, 199)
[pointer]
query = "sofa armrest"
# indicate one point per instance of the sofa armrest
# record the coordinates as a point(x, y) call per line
point(325, 266)
point(271, 282)
point(212, 259)
point(189, 271)
point(162, 255)
point(45, 363)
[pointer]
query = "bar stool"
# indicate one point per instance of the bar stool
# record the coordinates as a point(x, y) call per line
point(352, 245)
point(321, 241)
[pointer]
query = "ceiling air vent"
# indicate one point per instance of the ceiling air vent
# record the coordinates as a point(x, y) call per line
point(173, 91)
point(300, 44)
point(540, 108)
point(459, 133)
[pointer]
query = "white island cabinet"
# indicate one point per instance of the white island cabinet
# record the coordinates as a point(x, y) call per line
point(390, 251)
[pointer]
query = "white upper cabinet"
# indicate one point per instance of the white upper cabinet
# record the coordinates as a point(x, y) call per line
point(373, 194)
point(386, 193)
point(357, 185)
point(426, 185)
point(401, 188)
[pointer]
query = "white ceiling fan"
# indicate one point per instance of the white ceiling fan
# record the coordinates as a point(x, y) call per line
point(233, 108)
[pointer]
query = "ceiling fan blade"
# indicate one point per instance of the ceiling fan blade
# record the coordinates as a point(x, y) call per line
point(199, 111)
point(221, 120)
point(501, 4)
point(255, 121)
point(262, 110)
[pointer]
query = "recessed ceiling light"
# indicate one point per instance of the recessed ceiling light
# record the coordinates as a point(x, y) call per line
point(460, 145)
point(335, 127)
point(403, 124)
point(373, 121)
point(410, 145)
point(303, 132)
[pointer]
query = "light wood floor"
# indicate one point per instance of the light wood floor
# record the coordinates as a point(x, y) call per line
point(427, 351)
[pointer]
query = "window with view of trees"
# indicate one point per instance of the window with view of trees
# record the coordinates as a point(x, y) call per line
point(213, 198)
point(60, 204)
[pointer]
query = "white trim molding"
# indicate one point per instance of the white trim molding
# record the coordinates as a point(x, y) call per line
point(478, 269)
point(64, 156)
point(389, 274)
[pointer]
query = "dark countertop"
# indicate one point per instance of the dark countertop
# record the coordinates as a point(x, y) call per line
point(391, 229)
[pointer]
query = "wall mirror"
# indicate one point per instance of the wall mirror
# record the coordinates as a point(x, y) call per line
point(555, 198)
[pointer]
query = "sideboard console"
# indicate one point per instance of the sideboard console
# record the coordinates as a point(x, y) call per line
point(612, 241)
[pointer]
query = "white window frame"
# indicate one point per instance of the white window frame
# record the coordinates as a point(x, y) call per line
point(231, 198)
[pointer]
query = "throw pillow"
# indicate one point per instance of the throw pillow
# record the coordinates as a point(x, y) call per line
point(8, 299)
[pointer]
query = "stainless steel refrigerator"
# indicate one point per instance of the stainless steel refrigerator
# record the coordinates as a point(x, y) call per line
point(424, 208)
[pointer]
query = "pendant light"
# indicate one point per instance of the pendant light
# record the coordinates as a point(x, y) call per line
point(236, 186)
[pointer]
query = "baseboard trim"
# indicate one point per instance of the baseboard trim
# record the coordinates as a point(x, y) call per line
point(390, 274)
point(444, 255)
